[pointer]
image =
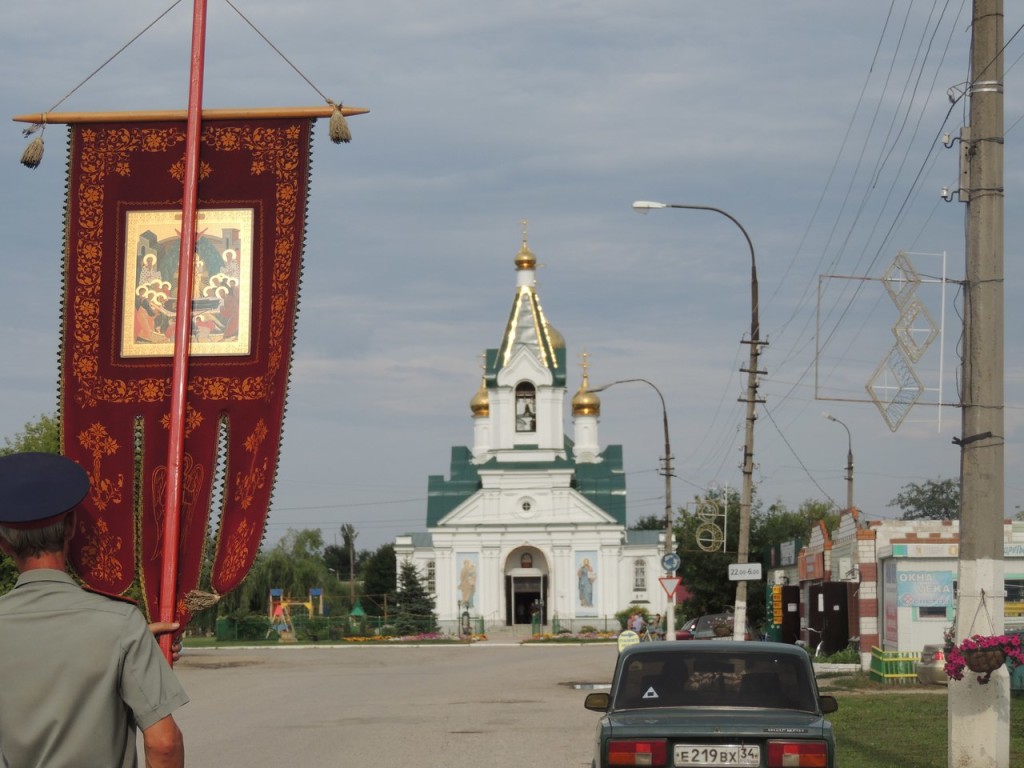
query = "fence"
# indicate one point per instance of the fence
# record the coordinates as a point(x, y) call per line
point(894, 667)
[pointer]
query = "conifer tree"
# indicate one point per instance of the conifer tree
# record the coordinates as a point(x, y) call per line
point(415, 609)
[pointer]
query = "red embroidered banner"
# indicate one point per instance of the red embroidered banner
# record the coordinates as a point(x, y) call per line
point(121, 268)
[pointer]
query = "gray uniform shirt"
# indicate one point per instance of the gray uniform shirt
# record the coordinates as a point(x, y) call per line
point(78, 673)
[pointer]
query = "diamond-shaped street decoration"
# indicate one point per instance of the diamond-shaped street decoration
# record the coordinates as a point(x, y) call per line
point(915, 330)
point(901, 279)
point(894, 387)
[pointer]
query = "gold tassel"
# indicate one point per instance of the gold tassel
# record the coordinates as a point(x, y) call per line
point(196, 601)
point(33, 154)
point(338, 128)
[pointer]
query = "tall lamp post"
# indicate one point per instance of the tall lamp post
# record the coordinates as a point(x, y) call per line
point(849, 459)
point(743, 547)
point(670, 617)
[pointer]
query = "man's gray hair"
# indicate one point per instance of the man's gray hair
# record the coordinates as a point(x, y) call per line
point(32, 542)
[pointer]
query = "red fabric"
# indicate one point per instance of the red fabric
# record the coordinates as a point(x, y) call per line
point(115, 409)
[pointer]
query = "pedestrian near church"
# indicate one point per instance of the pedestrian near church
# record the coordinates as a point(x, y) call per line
point(80, 673)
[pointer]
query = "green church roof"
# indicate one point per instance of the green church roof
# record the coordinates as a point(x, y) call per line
point(603, 484)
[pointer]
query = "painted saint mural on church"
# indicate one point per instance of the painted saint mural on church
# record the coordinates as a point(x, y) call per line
point(586, 578)
point(468, 562)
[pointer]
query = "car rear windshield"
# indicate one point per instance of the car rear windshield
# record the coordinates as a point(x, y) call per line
point(730, 679)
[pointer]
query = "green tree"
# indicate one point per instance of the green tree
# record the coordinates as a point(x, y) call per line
point(40, 436)
point(705, 573)
point(779, 524)
point(937, 499)
point(294, 565)
point(415, 607)
point(649, 523)
point(380, 579)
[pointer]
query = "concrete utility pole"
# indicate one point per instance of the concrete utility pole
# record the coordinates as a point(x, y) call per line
point(979, 715)
point(849, 459)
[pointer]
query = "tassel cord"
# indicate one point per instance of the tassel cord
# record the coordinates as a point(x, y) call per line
point(278, 52)
point(32, 129)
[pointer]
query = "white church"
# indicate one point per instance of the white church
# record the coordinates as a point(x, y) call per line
point(531, 520)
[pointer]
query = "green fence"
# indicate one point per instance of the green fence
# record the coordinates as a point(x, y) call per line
point(894, 667)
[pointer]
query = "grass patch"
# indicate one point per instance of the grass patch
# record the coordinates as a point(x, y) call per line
point(902, 729)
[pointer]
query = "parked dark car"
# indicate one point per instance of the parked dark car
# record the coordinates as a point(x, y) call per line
point(713, 626)
point(702, 703)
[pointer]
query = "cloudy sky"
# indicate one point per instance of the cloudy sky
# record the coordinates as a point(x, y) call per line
point(818, 126)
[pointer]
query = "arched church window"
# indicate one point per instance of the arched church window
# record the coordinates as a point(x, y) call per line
point(639, 576)
point(526, 407)
point(526, 560)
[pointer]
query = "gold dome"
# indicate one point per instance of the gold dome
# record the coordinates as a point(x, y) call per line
point(480, 405)
point(557, 340)
point(585, 402)
point(525, 258)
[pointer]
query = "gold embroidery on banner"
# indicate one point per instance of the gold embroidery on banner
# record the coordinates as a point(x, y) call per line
point(237, 551)
point(99, 554)
point(192, 475)
point(177, 170)
point(104, 491)
point(193, 419)
point(109, 151)
point(254, 480)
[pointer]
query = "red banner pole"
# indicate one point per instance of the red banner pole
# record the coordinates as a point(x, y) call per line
point(182, 327)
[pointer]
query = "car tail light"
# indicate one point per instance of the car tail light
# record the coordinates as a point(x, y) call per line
point(805, 754)
point(939, 656)
point(637, 752)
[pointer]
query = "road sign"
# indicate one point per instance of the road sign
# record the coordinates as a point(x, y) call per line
point(670, 584)
point(744, 571)
point(627, 638)
point(670, 561)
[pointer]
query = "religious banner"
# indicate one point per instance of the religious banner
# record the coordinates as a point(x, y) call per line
point(123, 233)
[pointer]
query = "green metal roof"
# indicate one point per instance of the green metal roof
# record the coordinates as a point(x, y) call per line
point(603, 484)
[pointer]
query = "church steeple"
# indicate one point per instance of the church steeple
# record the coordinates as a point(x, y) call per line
point(586, 410)
point(527, 327)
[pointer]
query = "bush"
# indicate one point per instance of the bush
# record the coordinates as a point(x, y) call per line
point(623, 615)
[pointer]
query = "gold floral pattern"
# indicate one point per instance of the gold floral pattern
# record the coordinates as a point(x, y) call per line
point(103, 491)
point(99, 552)
point(236, 559)
point(246, 485)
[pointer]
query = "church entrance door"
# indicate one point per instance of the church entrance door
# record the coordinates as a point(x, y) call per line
point(526, 588)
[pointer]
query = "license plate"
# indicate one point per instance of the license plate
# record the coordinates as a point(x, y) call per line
point(744, 755)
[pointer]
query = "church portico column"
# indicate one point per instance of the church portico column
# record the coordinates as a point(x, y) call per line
point(561, 584)
point(445, 585)
point(490, 586)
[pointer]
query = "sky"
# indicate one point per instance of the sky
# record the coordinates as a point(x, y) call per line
point(817, 126)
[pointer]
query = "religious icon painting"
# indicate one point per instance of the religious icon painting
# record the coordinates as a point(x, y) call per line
point(586, 578)
point(221, 306)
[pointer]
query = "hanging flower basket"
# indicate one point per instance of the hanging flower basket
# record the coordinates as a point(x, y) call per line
point(983, 655)
point(722, 626)
point(987, 660)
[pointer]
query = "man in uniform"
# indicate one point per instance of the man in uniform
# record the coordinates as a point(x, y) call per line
point(79, 672)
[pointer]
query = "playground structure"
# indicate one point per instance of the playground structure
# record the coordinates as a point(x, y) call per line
point(280, 612)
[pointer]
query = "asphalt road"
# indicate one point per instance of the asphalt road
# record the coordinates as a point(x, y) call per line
point(452, 706)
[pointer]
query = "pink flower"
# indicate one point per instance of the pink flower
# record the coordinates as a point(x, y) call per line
point(1010, 645)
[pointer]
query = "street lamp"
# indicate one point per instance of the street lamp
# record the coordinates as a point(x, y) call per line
point(849, 459)
point(670, 618)
point(743, 548)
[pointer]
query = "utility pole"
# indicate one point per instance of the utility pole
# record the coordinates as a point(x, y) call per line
point(978, 715)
